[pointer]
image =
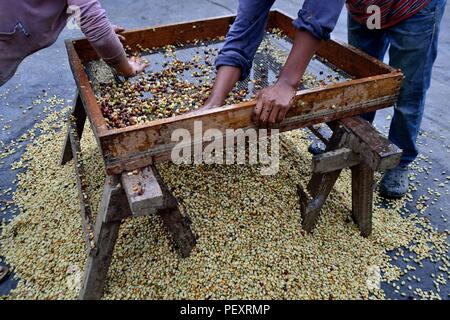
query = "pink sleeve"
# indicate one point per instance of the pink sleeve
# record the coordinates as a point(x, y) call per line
point(98, 30)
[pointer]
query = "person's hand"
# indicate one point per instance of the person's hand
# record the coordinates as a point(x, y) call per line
point(272, 104)
point(211, 103)
point(135, 66)
point(128, 67)
point(226, 78)
point(118, 30)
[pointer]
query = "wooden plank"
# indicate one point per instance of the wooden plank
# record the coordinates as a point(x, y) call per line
point(79, 116)
point(143, 191)
point(122, 146)
point(352, 60)
point(179, 228)
point(163, 35)
point(312, 201)
point(366, 144)
point(106, 234)
point(362, 197)
point(334, 160)
point(177, 224)
point(86, 92)
point(376, 150)
point(119, 207)
point(86, 212)
point(319, 187)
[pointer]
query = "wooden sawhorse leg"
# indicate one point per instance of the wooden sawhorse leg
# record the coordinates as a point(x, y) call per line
point(113, 206)
point(177, 225)
point(312, 202)
point(148, 194)
point(319, 187)
point(362, 197)
point(357, 145)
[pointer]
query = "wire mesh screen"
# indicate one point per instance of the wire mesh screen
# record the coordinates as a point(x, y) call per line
point(268, 62)
point(180, 79)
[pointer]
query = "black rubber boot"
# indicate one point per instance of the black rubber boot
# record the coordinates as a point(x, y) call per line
point(395, 183)
point(4, 270)
point(316, 147)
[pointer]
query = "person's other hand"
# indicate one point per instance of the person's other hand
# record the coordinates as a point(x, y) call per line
point(118, 30)
point(210, 104)
point(136, 65)
point(272, 104)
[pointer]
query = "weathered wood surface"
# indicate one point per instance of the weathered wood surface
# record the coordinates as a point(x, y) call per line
point(319, 187)
point(85, 209)
point(312, 201)
point(115, 207)
point(163, 35)
point(362, 197)
point(363, 143)
point(105, 236)
point(138, 146)
point(179, 227)
point(127, 148)
point(376, 150)
point(143, 191)
point(155, 199)
point(334, 160)
point(357, 145)
point(119, 207)
point(85, 90)
point(177, 224)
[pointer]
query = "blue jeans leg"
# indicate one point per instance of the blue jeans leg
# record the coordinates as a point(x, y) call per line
point(373, 42)
point(413, 49)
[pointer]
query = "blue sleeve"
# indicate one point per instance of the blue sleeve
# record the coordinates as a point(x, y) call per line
point(245, 35)
point(319, 17)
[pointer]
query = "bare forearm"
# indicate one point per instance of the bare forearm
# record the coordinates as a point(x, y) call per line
point(226, 79)
point(303, 49)
point(274, 102)
point(122, 66)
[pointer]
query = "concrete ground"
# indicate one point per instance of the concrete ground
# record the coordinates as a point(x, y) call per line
point(49, 70)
